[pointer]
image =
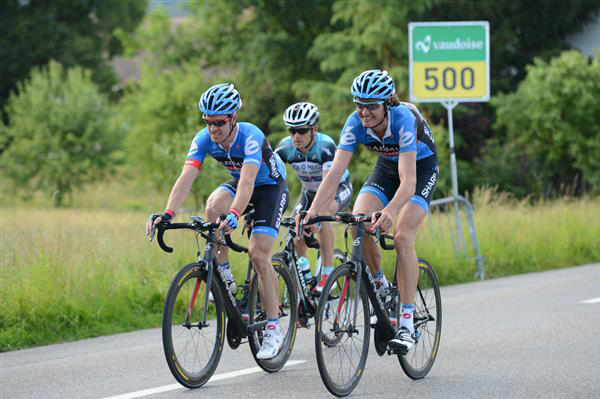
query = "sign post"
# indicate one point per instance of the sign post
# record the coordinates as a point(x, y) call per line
point(449, 63)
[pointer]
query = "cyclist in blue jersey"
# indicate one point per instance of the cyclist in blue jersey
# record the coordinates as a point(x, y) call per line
point(401, 183)
point(258, 178)
point(310, 153)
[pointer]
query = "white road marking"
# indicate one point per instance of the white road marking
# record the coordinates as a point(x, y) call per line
point(592, 300)
point(218, 377)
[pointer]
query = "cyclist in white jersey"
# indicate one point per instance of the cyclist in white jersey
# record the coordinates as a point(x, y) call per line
point(401, 184)
point(258, 177)
point(310, 153)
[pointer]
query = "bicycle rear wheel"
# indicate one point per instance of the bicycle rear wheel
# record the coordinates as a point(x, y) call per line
point(288, 305)
point(193, 350)
point(342, 342)
point(428, 325)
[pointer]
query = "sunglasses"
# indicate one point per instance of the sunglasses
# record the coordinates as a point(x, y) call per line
point(299, 130)
point(219, 123)
point(370, 106)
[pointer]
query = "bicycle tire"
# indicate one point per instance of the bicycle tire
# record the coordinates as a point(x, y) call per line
point(180, 341)
point(341, 284)
point(288, 314)
point(428, 325)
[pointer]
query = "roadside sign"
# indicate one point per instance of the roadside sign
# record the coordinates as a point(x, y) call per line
point(449, 61)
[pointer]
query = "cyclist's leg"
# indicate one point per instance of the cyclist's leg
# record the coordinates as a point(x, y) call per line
point(259, 251)
point(218, 203)
point(410, 218)
point(405, 232)
point(269, 203)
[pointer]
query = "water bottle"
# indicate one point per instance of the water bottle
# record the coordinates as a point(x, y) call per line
point(304, 266)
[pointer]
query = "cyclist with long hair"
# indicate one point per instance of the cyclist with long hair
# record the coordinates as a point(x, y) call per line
point(401, 183)
point(258, 178)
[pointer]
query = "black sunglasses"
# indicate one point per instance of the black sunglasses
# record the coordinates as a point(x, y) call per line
point(370, 106)
point(220, 123)
point(299, 130)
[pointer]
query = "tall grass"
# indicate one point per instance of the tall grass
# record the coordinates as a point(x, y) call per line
point(74, 273)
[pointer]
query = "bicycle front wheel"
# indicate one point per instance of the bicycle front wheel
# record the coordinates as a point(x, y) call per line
point(288, 305)
point(193, 348)
point(428, 325)
point(342, 331)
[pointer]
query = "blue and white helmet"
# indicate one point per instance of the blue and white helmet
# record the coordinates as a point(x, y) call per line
point(301, 114)
point(222, 99)
point(374, 84)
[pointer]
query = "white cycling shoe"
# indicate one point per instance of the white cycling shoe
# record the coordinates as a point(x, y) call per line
point(271, 344)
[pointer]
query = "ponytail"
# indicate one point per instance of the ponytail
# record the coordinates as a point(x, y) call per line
point(392, 101)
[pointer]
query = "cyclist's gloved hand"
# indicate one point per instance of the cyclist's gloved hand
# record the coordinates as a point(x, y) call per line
point(157, 218)
point(230, 222)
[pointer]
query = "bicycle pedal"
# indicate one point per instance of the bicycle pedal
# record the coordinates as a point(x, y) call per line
point(396, 351)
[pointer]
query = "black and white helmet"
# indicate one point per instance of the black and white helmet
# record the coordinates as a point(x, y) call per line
point(301, 114)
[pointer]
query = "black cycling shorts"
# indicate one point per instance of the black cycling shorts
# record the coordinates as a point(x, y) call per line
point(343, 197)
point(269, 202)
point(384, 181)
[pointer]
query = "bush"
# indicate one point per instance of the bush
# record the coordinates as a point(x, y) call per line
point(59, 132)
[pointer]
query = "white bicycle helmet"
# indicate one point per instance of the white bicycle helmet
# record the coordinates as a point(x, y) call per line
point(301, 114)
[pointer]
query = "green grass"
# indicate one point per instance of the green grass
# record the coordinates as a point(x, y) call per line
point(73, 273)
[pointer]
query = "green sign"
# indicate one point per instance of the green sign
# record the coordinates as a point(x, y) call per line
point(449, 61)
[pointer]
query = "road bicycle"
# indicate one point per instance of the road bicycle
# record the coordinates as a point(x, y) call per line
point(198, 304)
point(351, 285)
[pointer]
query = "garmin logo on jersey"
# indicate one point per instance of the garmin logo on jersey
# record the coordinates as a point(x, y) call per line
point(251, 147)
point(231, 165)
point(430, 184)
point(387, 150)
point(348, 138)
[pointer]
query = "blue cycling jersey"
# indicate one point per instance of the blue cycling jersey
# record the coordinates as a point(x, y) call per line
point(406, 131)
point(248, 146)
point(310, 166)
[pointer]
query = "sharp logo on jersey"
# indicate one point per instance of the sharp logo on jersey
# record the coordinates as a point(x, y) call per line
point(348, 138)
point(274, 172)
point(429, 186)
point(405, 137)
point(251, 147)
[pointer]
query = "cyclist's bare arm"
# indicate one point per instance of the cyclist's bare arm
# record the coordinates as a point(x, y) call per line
point(328, 187)
point(331, 180)
point(179, 192)
point(182, 187)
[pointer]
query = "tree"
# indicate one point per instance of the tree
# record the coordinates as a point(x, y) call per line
point(70, 32)
point(554, 119)
point(60, 131)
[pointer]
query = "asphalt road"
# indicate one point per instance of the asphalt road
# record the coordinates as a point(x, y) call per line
point(529, 336)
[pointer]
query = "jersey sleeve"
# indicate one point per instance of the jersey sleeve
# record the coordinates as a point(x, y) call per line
point(282, 149)
point(348, 137)
point(198, 149)
point(407, 135)
point(328, 153)
point(252, 147)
